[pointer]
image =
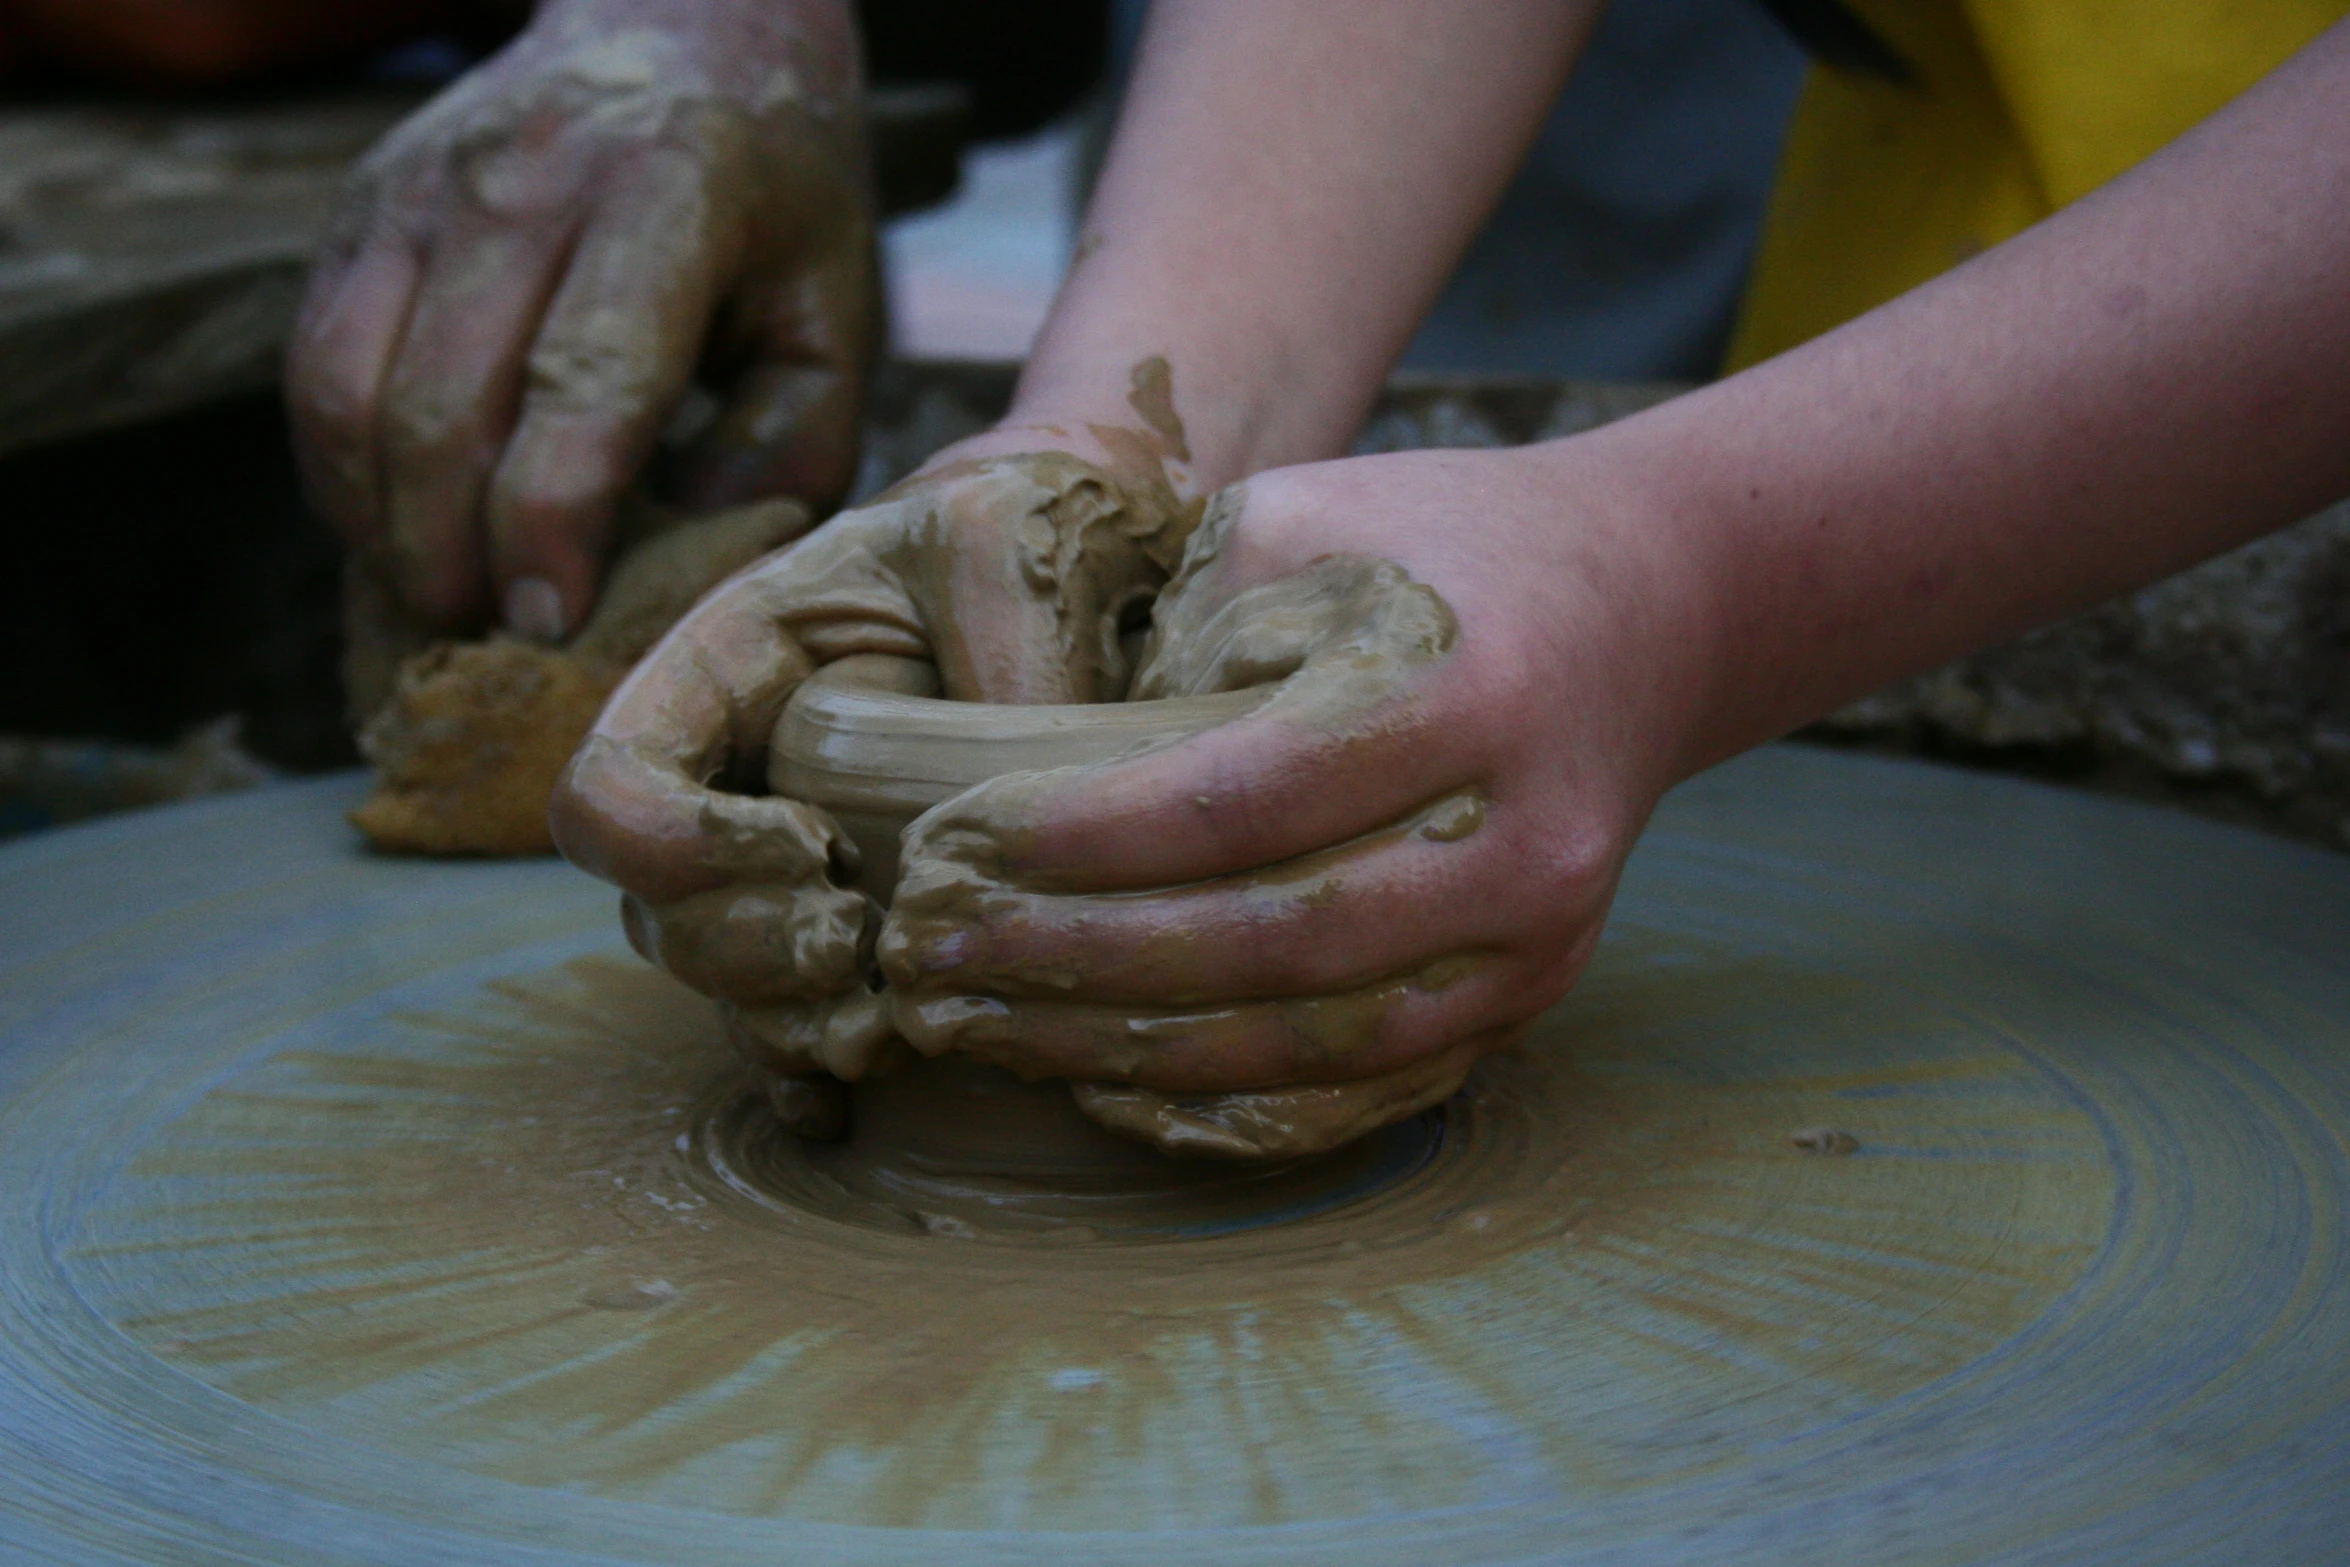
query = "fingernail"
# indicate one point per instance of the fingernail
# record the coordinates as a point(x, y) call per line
point(936, 1024)
point(534, 609)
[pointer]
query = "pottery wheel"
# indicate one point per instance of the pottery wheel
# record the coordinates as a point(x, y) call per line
point(389, 1212)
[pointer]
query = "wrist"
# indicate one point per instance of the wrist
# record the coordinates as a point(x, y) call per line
point(1647, 559)
point(1121, 452)
point(761, 52)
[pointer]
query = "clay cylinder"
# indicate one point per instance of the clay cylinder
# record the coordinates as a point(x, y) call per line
point(867, 740)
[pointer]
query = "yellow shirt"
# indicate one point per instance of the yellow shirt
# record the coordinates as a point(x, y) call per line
point(2020, 107)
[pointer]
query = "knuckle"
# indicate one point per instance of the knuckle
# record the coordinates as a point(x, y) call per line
point(407, 147)
point(365, 202)
point(584, 833)
point(1272, 511)
point(603, 362)
point(502, 177)
point(1577, 864)
point(388, 202)
point(619, 819)
point(541, 501)
point(329, 405)
point(328, 389)
point(424, 418)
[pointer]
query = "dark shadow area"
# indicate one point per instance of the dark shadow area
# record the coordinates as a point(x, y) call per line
point(1025, 64)
point(165, 575)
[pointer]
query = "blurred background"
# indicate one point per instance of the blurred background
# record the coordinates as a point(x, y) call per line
point(167, 615)
point(168, 611)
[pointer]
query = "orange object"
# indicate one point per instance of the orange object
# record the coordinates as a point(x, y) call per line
point(2021, 107)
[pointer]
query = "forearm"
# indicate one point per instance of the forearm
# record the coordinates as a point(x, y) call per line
point(2150, 377)
point(1290, 184)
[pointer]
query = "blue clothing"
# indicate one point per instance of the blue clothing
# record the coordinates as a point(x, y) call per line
point(1621, 248)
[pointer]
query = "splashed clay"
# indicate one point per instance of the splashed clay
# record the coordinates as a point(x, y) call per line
point(404, 1217)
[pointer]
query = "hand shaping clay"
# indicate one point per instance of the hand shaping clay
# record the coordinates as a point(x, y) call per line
point(863, 741)
point(1016, 580)
point(1327, 649)
point(1018, 588)
point(471, 736)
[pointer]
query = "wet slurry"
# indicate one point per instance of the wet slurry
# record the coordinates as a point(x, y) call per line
point(377, 1209)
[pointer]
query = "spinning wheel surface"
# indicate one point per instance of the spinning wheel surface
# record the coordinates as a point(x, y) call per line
point(367, 1211)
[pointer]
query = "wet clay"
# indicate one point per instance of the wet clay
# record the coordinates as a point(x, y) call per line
point(471, 737)
point(865, 739)
point(991, 613)
point(862, 740)
point(1012, 580)
point(865, 742)
point(959, 1149)
point(551, 1238)
point(1152, 397)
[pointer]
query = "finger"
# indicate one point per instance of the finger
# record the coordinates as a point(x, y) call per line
point(1306, 1039)
point(1282, 1123)
point(1261, 789)
point(788, 424)
point(783, 929)
point(1033, 562)
point(449, 402)
point(354, 315)
point(637, 805)
point(1355, 738)
point(1025, 560)
point(665, 572)
point(847, 1036)
point(380, 634)
point(1381, 904)
point(788, 427)
point(794, 939)
point(613, 355)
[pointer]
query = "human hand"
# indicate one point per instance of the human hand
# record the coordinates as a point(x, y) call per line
point(994, 575)
point(1312, 920)
point(527, 277)
point(467, 747)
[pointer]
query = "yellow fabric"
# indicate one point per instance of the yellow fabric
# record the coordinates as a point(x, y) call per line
point(2021, 107)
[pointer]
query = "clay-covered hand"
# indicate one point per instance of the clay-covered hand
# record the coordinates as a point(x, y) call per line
point(1286, 931)
point(528, 279)
point(1006, 578)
